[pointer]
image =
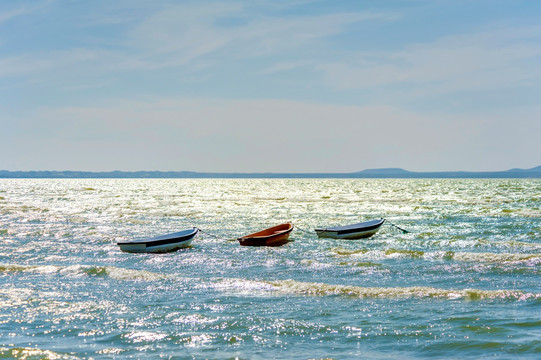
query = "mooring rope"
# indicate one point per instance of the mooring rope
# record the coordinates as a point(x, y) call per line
point(207, 233)
point(214, 236)
point(398, 227)
point(301, 229)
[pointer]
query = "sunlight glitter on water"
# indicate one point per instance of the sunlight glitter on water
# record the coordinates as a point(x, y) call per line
point(473, 247)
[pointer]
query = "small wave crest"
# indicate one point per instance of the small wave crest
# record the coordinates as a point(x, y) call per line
point(534, 259)
point(322, 289)
point(112, 272)
point(32, 353)
point(505, 258)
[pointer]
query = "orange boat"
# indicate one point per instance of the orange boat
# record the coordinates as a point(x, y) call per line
point(274, 236)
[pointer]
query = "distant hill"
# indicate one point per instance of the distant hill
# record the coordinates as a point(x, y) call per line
point(535, 169)
point(401, 173)
point(384, 171)
point(369, 173)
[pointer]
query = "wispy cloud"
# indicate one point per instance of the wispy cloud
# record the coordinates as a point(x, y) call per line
point(22, 10)
point(484, 61)
point(215, 79)
point(285, 66)
point(190, 37)
point(184, 33)
point(42, 63)
point(6, 15)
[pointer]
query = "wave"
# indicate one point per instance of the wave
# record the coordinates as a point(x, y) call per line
point(496, 258)
point(295, 287)
point(112, 272)
point(42, 269)
point(118, 273)
point(32, 353)
point(504, 258)
point(322, 289)
point(263, 287)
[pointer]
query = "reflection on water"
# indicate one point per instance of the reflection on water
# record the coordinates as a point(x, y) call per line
point(465, 276)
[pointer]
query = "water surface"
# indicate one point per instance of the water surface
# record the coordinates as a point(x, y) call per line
point(462, 283)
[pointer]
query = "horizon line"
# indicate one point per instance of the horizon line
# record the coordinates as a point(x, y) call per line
point(384, 169)
point(534, 172)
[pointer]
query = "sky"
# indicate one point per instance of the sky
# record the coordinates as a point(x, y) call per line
point(270, 85)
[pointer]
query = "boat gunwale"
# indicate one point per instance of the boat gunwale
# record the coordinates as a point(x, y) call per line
point(348, 229)
point(270, 236)
point(163, 239)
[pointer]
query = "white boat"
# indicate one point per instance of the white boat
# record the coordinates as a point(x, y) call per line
point(353, 231)
point(160, 244)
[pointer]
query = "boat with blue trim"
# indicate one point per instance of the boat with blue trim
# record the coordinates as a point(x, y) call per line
point(160, 244)
point(353, 231)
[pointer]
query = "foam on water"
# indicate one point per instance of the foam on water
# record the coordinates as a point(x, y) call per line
point(111, 272)
point(33, 353)
point(290, 286)
point(510, 258)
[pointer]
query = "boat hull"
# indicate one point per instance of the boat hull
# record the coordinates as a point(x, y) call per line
point(274, 236)
point(351, 232)
point(160, 244)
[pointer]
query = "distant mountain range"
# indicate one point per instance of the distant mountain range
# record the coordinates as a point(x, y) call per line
point(370, 173)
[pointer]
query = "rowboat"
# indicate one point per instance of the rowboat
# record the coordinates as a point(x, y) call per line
point(353, 231)
point(160, 244)
point(274, 236)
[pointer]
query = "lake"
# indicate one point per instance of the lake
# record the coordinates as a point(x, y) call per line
point(463, 282)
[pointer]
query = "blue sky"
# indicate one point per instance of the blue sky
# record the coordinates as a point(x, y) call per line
point(277, 86)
